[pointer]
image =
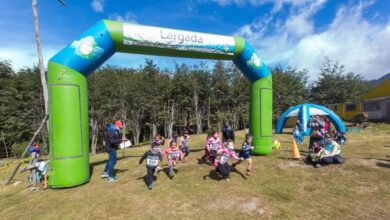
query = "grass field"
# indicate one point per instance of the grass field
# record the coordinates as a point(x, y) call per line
point(280, 188)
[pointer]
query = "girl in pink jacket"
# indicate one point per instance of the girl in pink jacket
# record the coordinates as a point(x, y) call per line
point(214, 144)
point(173, 153)
point(221, 162)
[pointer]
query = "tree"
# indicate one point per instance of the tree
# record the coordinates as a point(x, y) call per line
point(289, 88)
point(334, 86)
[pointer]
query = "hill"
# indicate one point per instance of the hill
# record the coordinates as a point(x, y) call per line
point(376, 82)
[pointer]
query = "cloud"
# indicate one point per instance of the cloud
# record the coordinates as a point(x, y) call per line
point(360, 44)
point(98, 5)
point(278, 4)
point(26, 56)
point(128, 17)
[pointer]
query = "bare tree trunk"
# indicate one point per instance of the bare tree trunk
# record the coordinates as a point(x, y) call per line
point(5, 146)
point(136, 117)
point(208, 115)
point(40, 57)
point(154, 125)
point(93, 136)
point(198, 113)
point(171, 118)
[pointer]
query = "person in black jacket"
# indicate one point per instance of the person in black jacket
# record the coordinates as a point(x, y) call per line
point(227, 132)
point(113, 141)
point(153, 157)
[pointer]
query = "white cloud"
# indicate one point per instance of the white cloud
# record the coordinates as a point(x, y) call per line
point(278, 4)
point(98, 5)
point(26, 56)
point(360, 44)
point(128, 17)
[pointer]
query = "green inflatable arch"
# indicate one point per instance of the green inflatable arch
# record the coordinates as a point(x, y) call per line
point(67, 82)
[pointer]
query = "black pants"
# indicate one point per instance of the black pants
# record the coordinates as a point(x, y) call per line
point(150, 174)
point(224, 169)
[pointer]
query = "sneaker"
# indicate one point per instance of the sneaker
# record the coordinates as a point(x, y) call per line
point(112, 179)
point(150, 187)
point(248, 173)
point(104, 175)
point(318, 165)
point(171, 174)
point(227, 179)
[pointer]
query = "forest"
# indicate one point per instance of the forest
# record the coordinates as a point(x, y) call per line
point(152, 100)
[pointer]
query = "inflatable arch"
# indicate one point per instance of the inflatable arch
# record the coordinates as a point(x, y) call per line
point(68, 69)
point(303, 113)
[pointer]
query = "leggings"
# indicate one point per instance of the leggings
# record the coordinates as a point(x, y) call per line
point(149, 174)
point(224, 169)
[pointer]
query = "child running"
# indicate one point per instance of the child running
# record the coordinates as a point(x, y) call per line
point(173, 154)
point(221, 162)
point(214, 144)
point(245, 154)
point(183, 144)
point(153, 157)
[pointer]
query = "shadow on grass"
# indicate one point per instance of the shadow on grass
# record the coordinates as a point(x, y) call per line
point(214, 175)
point(385, 165)
point(97, 163)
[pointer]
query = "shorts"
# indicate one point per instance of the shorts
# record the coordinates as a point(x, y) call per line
point(244, 155)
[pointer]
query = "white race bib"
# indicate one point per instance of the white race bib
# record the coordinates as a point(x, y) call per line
point(214, 146)
point(151, 162)
point(173, 155)
point(224, 158)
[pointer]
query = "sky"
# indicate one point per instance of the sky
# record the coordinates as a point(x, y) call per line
point(296, 33)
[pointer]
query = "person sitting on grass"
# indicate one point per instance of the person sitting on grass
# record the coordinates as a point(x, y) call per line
point(206, 155)
point(221, 162)
point(330, 154)
point(245, 154)
point(153, 157)
point(214, 144)
point(174, 155)
point(314, 157)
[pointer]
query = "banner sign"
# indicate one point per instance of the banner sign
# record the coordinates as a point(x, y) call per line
point(147, 36)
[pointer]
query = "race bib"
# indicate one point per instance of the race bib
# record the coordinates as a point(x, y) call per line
point(173, 156)
point(224, 159)
point(151, 162)
point(214, 146)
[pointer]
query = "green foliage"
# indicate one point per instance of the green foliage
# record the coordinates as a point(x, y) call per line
point(334, 86)
point(149, 99)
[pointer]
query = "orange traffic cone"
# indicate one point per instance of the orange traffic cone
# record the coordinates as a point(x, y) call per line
point(295, 151)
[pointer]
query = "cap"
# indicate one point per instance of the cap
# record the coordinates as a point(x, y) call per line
point(118, 124)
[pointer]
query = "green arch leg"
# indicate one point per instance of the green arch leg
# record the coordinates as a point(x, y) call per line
point(260, 115)
point(69, 135)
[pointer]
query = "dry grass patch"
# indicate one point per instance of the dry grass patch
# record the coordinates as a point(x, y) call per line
point(280, 188)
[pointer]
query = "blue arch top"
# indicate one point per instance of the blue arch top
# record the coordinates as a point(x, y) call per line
point(92, 48)
point(303, 113)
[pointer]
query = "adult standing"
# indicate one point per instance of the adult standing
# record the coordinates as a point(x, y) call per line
point(317, 131)
point(112, 144)
point(227, 132)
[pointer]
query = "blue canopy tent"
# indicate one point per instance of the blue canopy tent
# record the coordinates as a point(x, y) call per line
point(303, 113)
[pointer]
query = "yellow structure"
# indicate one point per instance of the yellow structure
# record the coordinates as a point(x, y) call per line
point(377, 102)
point(346, 111)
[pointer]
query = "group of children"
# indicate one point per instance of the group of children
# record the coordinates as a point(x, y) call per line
point(217, 152)
point(177, 150)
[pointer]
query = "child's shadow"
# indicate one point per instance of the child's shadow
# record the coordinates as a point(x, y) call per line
point(214, 175)
point(166, 171)
point(143, 178)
